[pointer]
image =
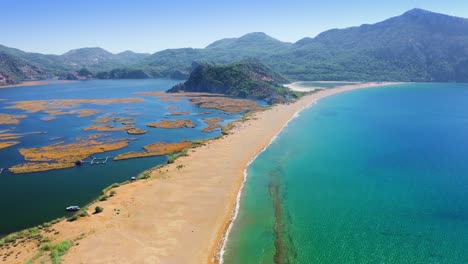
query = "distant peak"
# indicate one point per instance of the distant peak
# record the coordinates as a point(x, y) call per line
point(87, 50)
point(90, 48)
point(127, 52)
point(418, 12)
point(256, 34)
point(260, 36)
point(304, 41)
point(248, 40)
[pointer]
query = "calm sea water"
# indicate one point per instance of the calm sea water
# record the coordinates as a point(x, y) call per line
point(318, 84)
point(30, 199)
point(369, 176)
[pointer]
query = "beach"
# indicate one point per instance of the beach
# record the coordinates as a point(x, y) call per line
point(182, 213)
point(36, 83)
point(297, 88)
point(316, 85)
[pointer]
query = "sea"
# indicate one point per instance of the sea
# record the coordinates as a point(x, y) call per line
point(375, 175)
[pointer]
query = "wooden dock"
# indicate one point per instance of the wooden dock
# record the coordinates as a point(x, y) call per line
point(99, 160)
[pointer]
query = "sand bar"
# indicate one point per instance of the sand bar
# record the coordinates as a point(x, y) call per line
point(182, 214)
point(179, 123)
point(64, 155)
point(213, 123)
point(6, 119)
point(36, 83)
point(207, 100)
point(303, 87)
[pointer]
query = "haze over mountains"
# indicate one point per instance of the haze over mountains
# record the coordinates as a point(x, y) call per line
point(416, 46)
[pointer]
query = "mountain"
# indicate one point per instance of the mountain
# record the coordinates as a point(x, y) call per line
point(89, 58)
point(172, 63)
point(176, 63)
point(416, 46)
point(14, 70)
point(246, 79)
point(419, 45)
point(51, 64)
point(255, 44)
point(100, 59)
point(75, 64)
point(130, 56)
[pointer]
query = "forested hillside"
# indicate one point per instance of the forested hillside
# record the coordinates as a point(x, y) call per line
point(416, 46)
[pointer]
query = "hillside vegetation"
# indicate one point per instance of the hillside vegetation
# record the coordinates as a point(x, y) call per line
point(246, 79)
point(417, 46)
point(14, 70)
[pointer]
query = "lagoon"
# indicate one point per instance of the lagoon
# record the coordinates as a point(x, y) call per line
point(33, 198)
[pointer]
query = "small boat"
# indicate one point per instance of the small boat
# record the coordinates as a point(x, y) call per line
point(72, 208)
point(133, 178)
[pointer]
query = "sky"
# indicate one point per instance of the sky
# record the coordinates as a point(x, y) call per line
point(56, 26)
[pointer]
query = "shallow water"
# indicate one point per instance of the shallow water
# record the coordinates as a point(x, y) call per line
point(368, 176)
point(30, 199)
point(318, 84)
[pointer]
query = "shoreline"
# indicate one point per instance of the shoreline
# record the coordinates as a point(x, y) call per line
point(218, 256)
point(188, 206)
point(36, 83)
point(220, 248)
point(294, 87)
point(297, 88)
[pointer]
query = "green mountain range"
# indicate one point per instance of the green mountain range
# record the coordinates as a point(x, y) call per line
point(416, 46)
point(14, 70)
point(71, 65)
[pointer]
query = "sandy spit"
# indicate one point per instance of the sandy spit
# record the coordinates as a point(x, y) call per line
point(35, 83)
point(299, 86)
point(183, 213)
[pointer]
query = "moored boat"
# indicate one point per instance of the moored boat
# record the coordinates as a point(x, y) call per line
point(72, 208)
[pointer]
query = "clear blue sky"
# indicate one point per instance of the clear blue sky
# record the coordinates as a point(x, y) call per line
point(56, 26)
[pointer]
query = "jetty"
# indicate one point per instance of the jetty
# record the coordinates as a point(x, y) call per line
point(99, 160)
point(93, 161)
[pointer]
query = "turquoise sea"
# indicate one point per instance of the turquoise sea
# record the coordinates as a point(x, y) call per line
point(369, 176)
point(30, 199)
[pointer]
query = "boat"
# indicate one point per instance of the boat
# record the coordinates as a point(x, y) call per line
point(72, 208)
point(133, 179)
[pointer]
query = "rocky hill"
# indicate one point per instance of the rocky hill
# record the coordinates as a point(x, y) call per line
point(246, 79)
